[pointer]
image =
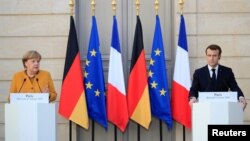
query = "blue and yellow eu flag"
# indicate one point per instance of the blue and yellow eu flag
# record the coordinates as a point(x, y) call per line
point(94, 80)
point(157, 79)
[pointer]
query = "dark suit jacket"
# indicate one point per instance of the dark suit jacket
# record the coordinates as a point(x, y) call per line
point(225, 81)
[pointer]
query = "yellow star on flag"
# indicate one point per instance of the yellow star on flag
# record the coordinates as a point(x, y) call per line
point(93, 52)
point(162, 91)
point(157, 52)
point(87, 62)
point(151, 62)
point(86, 74)
point(150, 74)
point(89, 85)
point(97, 93)
point(153, 85)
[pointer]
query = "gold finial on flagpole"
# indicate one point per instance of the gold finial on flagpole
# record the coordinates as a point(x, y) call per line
point(137, 4)
point(156, 6)
point(181, 3)
point(114, 7)
point(71, 6)
point(93, 3)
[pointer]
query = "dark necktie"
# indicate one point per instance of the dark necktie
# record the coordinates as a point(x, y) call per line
point(213, 79)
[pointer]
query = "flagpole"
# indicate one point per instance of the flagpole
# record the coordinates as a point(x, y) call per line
point(93, 4)
point(71, 7)
point(157, 4)
point(181, 3)
point(114, 14)
point(137, 5)
point(114, 7)
point(160, 122)
point(93, 130)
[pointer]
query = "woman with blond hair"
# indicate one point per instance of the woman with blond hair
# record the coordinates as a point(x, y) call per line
point(32, 79)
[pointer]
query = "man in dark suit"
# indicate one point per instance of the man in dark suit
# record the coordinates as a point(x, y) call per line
point(214, 77)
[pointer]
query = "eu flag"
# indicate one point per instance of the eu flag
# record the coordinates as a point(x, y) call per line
point(157, 79)
point(94, 79)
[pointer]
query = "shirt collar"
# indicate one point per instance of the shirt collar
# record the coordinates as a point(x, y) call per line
point(210, 68)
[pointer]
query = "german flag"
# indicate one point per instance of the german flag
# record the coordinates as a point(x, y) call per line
point(138, 93)
point(72, 103)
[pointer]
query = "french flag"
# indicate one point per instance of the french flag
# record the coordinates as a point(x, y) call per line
point(181, 111)
point(116, 95)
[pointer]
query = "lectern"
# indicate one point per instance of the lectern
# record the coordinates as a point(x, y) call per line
point(28, 117)
point(220, 108)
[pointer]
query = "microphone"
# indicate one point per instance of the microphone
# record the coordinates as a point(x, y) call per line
point(38, 85)
point(22, 85)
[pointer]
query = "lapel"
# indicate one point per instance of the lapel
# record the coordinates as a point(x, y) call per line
point(219, 74)
point(207, 81)
point(207, 74)
point(219, 77)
